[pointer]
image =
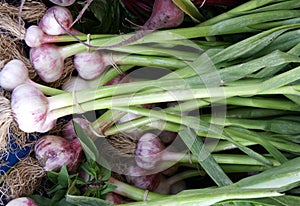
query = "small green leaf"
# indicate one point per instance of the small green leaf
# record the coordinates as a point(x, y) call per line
point(190, 9)
point(107, 13)
point(40, 200)
point(80, 181)
point(87, 143)
point(89, 169)
point(105, 173)
point(56, 188)
point(58, 196)
point(53, 176)
point(108, 188)
point(63, 177)
point(97, 7)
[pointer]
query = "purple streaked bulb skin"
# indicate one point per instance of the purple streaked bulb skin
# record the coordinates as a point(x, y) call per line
point(13, 74)
point(30, 109)
point(49, 22)
point(47, 61)
point(148, 151)
point(90, 65)
point(22, 201)
point(52, 152)
point(142, 179)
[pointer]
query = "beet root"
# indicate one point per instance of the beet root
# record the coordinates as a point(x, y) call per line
point(165, 14)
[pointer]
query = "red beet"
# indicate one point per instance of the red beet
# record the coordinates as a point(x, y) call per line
point(165, 14)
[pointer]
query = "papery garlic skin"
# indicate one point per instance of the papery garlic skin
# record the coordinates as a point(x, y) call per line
point(47, 61)
point(142, 179)
point(148, 151)
point(21, 201)
point(30, 108)
point(52, 152)
point(34, 36)
point(90, 65)
point(49, 22)
point(13, 74)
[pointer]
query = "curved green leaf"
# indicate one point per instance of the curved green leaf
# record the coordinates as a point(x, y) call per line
point(190, 9)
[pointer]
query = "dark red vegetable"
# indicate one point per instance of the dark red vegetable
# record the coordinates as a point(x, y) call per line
point(143, 9)
point(165, 14)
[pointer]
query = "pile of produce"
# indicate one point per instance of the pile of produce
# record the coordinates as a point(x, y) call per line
point(153, 102)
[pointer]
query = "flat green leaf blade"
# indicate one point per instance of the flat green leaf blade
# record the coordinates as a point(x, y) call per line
point(259, 139)
point(281, 80)
point(207, 197)
point(190, 9)
point(86, 142)
point(243, 69)
point(250, 152)
point(294, 98)
point(63, 177)
point(249, 46)
point(245, 8)
point(282, 177)
point(205, 159)
point(284, 200)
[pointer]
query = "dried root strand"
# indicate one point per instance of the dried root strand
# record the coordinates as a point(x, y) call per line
point(6, 119)
point(12, 27)
point(12, 17)
point(57, 129)
point(32, 11)
point(23, 179)
point(122, 144)
point(12, 49)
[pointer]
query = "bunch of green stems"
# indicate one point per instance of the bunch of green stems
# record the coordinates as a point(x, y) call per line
point(255, 81)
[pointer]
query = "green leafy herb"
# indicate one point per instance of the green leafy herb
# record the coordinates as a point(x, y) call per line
point(87, 143)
